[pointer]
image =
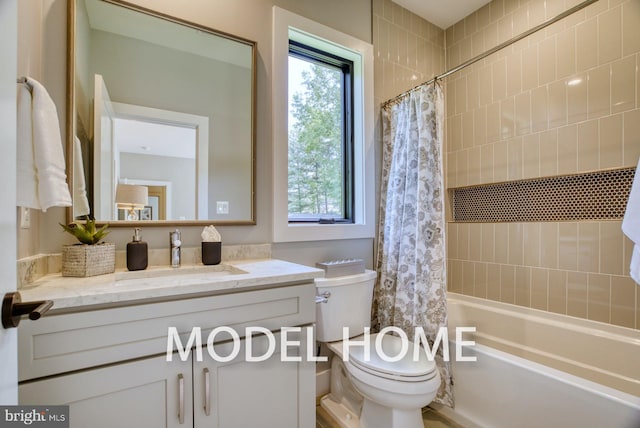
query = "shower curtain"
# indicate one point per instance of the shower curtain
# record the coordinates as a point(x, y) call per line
point(411, 287)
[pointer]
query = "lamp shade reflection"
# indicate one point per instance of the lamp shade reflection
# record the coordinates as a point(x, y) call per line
point(132, 197)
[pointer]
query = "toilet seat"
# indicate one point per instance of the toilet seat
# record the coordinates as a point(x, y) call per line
point(405, 369)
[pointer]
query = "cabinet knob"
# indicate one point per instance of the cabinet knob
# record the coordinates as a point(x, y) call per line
point(13, 308)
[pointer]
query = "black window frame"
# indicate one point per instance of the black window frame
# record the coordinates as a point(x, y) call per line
point(319, 56)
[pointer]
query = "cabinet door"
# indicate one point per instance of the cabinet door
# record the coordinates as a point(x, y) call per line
point(139, 394)
point(241, 393)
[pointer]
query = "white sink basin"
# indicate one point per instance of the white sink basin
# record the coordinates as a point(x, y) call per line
point(208, 271)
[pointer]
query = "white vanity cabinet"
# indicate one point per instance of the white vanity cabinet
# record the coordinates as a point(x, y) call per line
point(109, 365)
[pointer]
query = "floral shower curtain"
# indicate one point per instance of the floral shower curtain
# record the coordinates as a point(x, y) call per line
point(411, 287)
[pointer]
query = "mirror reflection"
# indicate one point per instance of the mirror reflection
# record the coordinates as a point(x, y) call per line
point(165, 105)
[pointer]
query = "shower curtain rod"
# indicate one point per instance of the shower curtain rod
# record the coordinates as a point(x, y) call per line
point(496, 48)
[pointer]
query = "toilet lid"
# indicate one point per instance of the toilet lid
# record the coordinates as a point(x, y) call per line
point(406, 367)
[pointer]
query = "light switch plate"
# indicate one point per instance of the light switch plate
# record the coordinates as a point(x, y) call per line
point(25, 218)
point(222, 207)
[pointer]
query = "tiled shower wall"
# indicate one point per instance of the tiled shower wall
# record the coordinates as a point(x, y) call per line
point(561, 101)
point(407, 51)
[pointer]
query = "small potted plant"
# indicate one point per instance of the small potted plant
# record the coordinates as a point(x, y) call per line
point(90, 257)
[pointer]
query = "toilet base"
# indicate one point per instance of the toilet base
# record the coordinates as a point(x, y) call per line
point(340, 413)
point(377, 416)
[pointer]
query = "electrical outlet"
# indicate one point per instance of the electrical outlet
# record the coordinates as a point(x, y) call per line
point(25, 218)
point(222, 207)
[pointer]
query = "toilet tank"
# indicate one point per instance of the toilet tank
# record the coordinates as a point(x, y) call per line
point(349, 305)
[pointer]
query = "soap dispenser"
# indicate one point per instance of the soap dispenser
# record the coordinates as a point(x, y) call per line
point(137, 252)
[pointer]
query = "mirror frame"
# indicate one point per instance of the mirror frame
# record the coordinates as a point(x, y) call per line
point(71, 115)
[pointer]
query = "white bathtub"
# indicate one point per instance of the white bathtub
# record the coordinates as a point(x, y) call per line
point(537, 369)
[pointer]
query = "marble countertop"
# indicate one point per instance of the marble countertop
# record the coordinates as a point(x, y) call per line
point(164, 283)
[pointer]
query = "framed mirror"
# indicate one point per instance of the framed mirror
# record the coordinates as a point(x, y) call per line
point(159, 108)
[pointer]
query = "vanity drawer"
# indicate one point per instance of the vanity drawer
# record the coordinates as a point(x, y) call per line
point(67, 342)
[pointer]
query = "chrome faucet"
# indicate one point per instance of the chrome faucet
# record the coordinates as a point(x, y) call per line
point(175, 243)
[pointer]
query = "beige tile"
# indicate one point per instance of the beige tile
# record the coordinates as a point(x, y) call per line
point(610, 35)
point(493, 122)
point(611, 149)
point(463, 241)
point(475, 241)
point(557, 104)
point(568, 246)
point(586, 43)
point(566, 53)
point(488, 240)
point(516, 238)
point(567, 149)
point(468, 278)
point(598, 297)
point(588, 146)
point(452, 170)
point(523, 286)
point(539, 288)
point(536, 11)
point(611, 248)
point(577, 294)
point(539, 109)
point(497, 10)
point(450, 99)
point(589, 247)
point(507, 284)
point(531, 156)
point(514, 73)
point(631, 137)
point(480, 284)
point(505, 29)
point(501, 243)
point(549, 245)
point(577, 98)
point(627, 249)
point(531, 244)
point(523, 113)
point(599, 91)
point(484, 16)
point(499, 73)
point(474, 166)
point(530, 68)
point(515, 158)
point(547, 61)
point(490, 35)
point(467, 130)
point(480, 126)
point(548, 153)
point(485, 87)
point(455, 132)
point(493, 282)
point(455, 284)
point(630, 27)
point(461, 95)
point(623, 84)
point(623, 296)
point(486, 172)
point(500, 161)
point(462, 166)
point(507, 118)
point(452, 240)
point(558, 291)
point(596, 8)
point(473, 97)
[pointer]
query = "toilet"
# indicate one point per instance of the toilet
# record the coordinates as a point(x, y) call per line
point(369, 392)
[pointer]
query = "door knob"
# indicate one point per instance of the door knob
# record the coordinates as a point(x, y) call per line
point(13, 308)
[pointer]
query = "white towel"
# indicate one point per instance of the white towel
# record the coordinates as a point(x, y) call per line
point(631, 225)
point(80, 201)
point(27, 191)
point(48, 156)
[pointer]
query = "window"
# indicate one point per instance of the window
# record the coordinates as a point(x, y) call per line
point(320, 137)
point(323, 164)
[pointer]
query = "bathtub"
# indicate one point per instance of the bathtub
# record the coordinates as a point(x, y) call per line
point(538, 369)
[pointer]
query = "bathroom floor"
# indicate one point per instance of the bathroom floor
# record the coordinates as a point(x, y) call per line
point(430, 418)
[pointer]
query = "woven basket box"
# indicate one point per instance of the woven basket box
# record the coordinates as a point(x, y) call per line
point(88, 260)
